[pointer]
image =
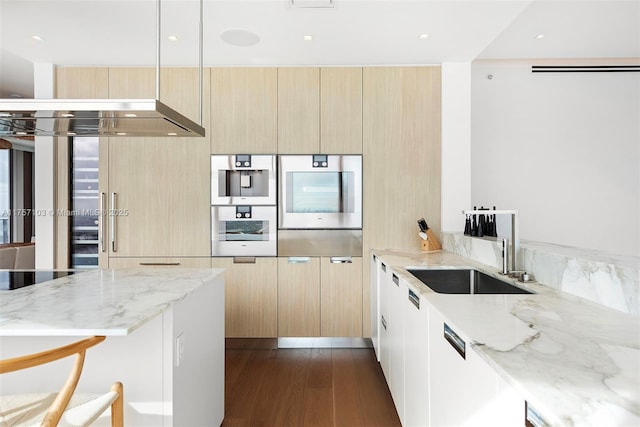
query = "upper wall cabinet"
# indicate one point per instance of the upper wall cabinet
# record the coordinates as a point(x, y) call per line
point(341, 110)
point(298, 110)
point(86, 82)
point(320, 110)
point(244, 110)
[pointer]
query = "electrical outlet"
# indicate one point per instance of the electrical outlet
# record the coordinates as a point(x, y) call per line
point(179, 349)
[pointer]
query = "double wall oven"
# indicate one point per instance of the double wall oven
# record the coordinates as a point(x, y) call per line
point(243, 205)
point(287, 205)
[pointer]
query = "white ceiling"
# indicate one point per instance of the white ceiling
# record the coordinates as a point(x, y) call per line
point(353, 32)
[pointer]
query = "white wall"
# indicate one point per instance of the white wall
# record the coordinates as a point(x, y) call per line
point(563, 149)
point(456, 144)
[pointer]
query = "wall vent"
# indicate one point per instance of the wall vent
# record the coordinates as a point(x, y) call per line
point(585, 68)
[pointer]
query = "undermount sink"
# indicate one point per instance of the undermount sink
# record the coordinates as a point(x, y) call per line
point(464, 281)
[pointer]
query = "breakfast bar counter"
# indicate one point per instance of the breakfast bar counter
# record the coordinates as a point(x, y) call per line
point(165, 338)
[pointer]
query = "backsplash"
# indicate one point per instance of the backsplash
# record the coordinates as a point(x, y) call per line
point(610, 280)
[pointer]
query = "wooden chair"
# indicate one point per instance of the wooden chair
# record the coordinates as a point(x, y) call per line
point(63, 408)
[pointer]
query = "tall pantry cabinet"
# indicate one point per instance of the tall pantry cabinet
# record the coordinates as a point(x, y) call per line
point(153, 189)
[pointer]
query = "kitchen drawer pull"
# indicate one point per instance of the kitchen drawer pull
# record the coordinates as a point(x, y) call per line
point(395, 279)
point(414, 298)
point(384, 322)
point(383, 266)
point(244, 260)
point(146, 264)
point(299, 260)
point(456, 342)
point(341, 260)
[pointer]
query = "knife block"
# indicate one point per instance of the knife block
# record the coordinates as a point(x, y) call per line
point(431, 244)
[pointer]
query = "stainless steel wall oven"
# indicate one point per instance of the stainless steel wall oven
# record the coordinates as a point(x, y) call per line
point(320, 205)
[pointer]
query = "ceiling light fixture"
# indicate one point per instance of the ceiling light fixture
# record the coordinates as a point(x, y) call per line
point(307, 38)
point(539, 36)
point(37, 38)
point(423, 36)
point(173, 38)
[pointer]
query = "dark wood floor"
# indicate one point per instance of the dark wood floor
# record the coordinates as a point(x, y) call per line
point(306, 387)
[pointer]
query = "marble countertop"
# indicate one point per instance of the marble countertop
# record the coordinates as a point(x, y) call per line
point(97, 302)
point(576, 362)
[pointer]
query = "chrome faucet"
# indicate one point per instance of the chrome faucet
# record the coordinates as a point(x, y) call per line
point(515, 239)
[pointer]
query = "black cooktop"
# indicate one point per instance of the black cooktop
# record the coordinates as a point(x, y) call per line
point(10, 280)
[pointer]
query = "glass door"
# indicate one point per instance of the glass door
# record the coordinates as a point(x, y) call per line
point(84, 202)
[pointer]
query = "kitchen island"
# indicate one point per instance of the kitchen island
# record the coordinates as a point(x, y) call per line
point(165, 339)
point(576, 362)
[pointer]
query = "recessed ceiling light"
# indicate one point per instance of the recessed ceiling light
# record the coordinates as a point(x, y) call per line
point(37, 38)
point(307, 38)
point(121, 133)
point(423, 36)
point(173, 38)
point(172, 134)
point(539, 36)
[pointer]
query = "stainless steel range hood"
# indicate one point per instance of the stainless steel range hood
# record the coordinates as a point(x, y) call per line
point(93, 117)
point(103, 117)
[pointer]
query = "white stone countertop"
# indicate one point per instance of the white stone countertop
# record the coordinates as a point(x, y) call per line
point(97, 302)
point(576, 362)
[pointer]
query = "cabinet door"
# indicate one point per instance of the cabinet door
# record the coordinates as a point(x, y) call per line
point(462, 389)
point(416, 359)
point(374, 291)
point(177, 262)
point(160, 186)
point(341, 298)
point(298, 110)
point(82, 82)
point(395, 326)
point(341, 110)
point(383, 320)
point(244, 110)
point(251, 297)
point(159, 193)
point(299, 297)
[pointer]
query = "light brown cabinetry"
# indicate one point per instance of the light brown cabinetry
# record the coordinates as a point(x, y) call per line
point(319, 298)
point(298, 110)
point(251, 297)
point(244, 110)
point(401, 157)
point(157, 188)
point(320, 110)
point(341, 298)
point(341, 110)
point(299, 297)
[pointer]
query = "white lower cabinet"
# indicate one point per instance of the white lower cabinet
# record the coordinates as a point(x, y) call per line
point(374, 277)
point(435, 379)
point(416, 358)
point(463, 387)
